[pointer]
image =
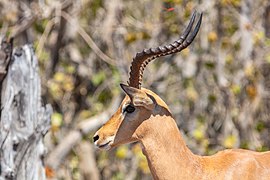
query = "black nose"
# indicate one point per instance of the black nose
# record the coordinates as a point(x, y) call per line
point(96, 138)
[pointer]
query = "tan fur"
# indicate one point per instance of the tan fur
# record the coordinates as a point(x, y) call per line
point(167, 154)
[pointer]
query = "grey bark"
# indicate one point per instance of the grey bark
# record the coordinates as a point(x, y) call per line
point(24, 120)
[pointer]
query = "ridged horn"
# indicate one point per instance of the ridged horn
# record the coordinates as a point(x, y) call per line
point(143, 58)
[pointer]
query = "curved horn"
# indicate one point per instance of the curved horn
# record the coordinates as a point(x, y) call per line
point(143, 58)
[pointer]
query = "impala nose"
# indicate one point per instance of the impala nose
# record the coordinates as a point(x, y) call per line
point(95, 138)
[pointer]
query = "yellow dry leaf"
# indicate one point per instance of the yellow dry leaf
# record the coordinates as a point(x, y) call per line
point(268, 58)
point(121, 152)
point(251, 91)
point(143, 165)
point(229, 59)
point(258, 37)
point(198, 134)
point(236, 89)
point(249, 70)
point(56, 121)
point(68, 86)
point(59, 77)
point(230, 141)
point(130, 37)
point(185, 52)
point(212, 36)
point(192, 94)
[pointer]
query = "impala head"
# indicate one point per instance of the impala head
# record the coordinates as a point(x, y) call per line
point(140, 104)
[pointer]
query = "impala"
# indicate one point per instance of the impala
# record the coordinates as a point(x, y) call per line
point(145, 118)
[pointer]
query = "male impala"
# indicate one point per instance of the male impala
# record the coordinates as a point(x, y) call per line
point(145, 118)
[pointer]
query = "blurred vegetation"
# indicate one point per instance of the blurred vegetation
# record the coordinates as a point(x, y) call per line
point(219, 88)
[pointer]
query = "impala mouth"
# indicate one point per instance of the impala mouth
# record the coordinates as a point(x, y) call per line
point(104, 143)
point(105, 146)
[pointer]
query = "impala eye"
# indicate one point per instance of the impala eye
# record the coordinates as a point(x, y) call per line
point(129, 109)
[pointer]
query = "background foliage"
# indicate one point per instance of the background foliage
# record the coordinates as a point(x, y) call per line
point(218, 89)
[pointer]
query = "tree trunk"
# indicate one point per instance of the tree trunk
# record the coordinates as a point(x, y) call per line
point(24, 120)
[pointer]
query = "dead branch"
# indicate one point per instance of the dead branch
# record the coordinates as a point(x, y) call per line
point(55, 158)
point(88, 166)
point(90, 41)
point(24, 120)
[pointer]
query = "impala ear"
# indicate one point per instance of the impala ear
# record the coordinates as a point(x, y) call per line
point(138, 97)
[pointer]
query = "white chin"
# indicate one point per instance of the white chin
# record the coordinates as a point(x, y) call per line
point(106, 146)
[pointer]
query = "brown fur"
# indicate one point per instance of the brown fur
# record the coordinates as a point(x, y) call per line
point(167, 154)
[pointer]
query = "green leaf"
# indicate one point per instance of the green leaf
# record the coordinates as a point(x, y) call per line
point(98, 78)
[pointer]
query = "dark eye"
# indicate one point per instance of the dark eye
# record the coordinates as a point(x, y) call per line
point(129, 109)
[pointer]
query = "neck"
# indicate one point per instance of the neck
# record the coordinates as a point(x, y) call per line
point(166, 151)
